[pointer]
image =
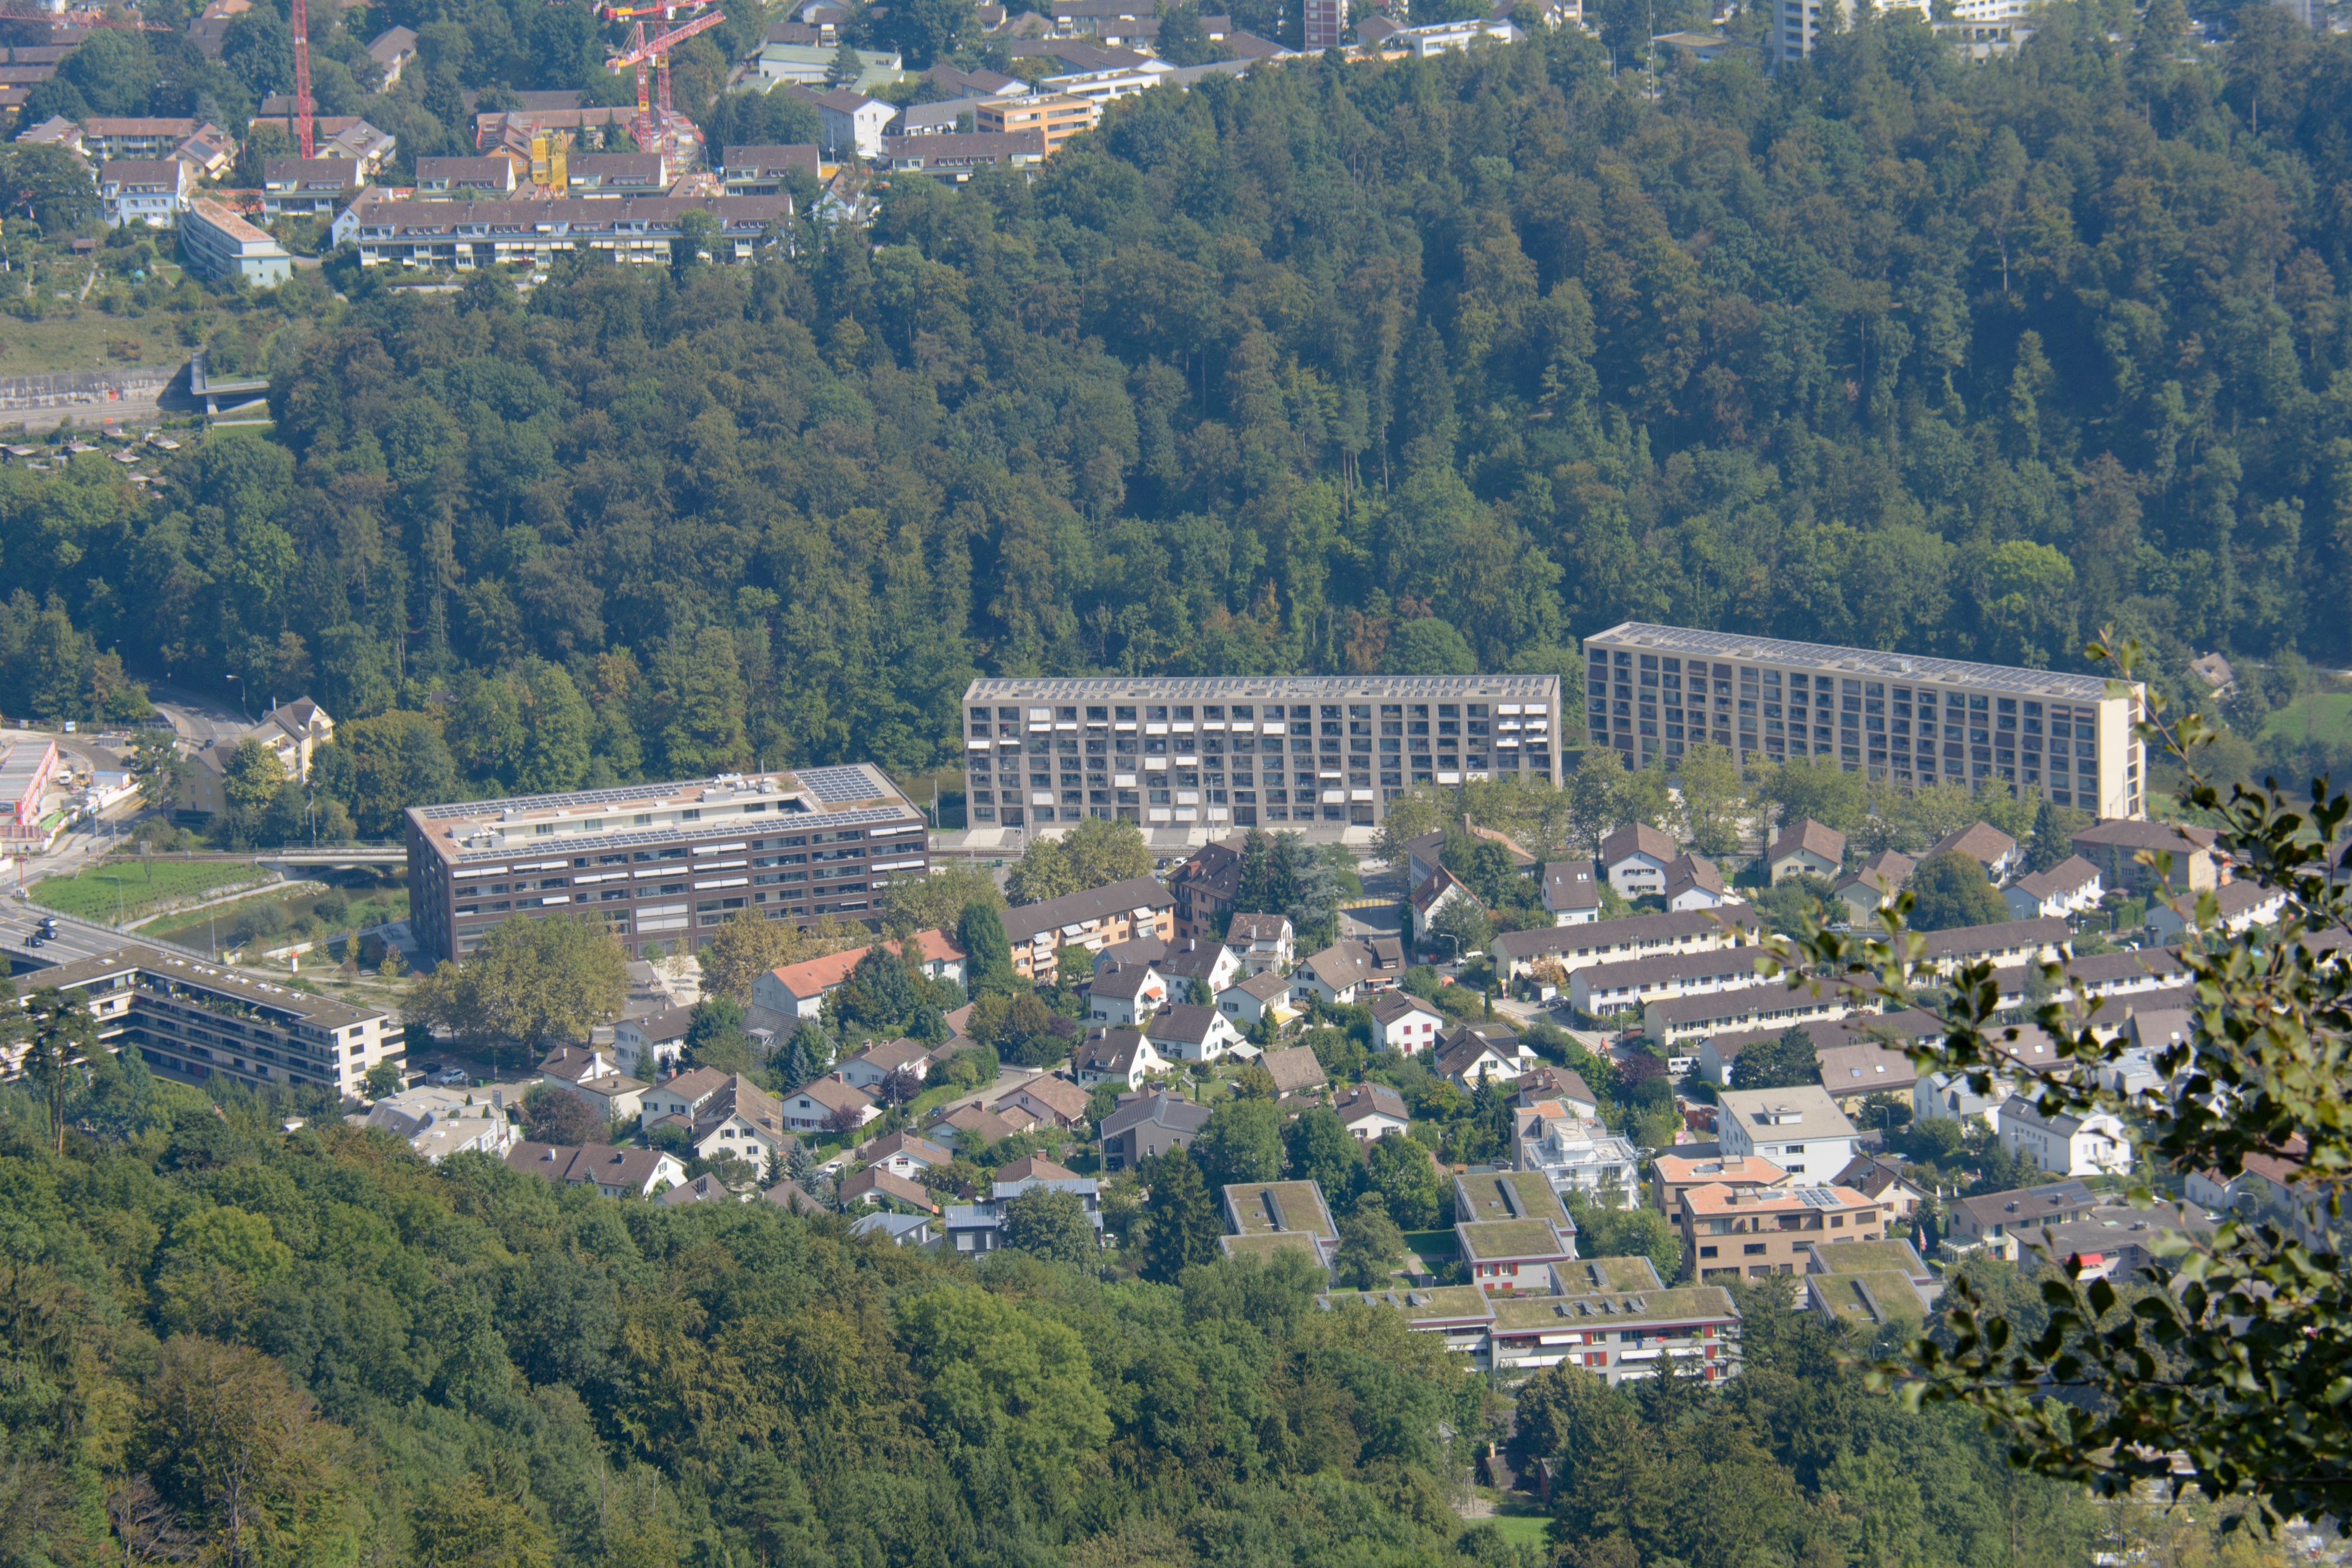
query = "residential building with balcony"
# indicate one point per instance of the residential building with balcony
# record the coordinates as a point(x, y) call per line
point(663, 864)
point(1217, 753)
point(1654, 691)
point(191, 1021)
point(1731, 1233)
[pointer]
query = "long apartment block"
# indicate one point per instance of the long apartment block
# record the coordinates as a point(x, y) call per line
point(1242, 751)
point(190, 1021)
point(662, 864)
point(1652, 691)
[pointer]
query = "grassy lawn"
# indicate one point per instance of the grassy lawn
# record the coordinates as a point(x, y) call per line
point(142, 883)
point(1432, 1243)
point(79, 342)
point(2325, 716)
point(280, 917)
point(1521, 1529)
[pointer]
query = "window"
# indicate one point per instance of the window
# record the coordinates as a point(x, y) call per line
point(1753, 1250)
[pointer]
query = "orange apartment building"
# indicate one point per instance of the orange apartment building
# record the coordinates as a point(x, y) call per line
point(1730, 1233)
point(1058, 118)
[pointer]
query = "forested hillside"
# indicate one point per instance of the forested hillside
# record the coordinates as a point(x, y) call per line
point(1429, 365)
point(223, 1344)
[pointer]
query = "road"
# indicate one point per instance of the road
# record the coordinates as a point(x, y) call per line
point(75, 938)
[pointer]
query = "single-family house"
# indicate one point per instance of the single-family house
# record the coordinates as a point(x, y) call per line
point(1382, 957)
point(1250, 1000)
point(1125, 994)
point(2115, 847)
point(1946, 1096)
point(897, 1228)
point(873, 1066)
point(723, 1113)
point(1693, 882)
point(798, 990)
point(1295, 1071)
point(1806, 848)
point(1122, 1056)
point(704, 1188)
point(875, 1185)
point(1404, 1022)
point(2239, 906)
point(1883, 1182)
point(1263, 941)
point(391, 49)
point(2070, 887)
point(1472, 1054)
point(1800, 1129)
point(822, 1103)
point(1996, 1222)
point(649, 1045)
point(1148, 1125)
point(1333, 976)
point(1634, 859)
point(979, 1226)
point(985, 1125)
point(615, 1172)
point(1430, 899)
point(150, 191)
point(439, 1121)
point(1054, 1102)
point(850, 122)
point(1875, 884)
point(1371, 1112)
point(1860, 1068)
point(1981, 843)
point(1561, 1085)
point(2092, 1143)
point(1571, 892)
point(1188, 1032)
point(1204, 886)
point(1211, 965)
point(906, 1154)
point(595, 1078)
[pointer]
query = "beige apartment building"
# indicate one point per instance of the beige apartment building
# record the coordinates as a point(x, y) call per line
point(1058, 118)
point(1242, 751)
point(1652, 691)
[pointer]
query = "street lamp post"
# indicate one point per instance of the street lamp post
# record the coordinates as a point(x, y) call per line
point(240, 698)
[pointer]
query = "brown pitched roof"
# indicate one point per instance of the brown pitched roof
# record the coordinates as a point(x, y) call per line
point(1810, 837)
point(1981, 841)
point(876, 1182)
point(1034, 1167)
point(992, 1127)
point(1370, 1099)
point(1064, 1098)
point(1023, 922)
point(1636, 838)
point(1294, 1069)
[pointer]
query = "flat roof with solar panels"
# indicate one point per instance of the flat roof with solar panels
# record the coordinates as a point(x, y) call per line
point(661, 864)
point(1214, 753)
point(1655, 692)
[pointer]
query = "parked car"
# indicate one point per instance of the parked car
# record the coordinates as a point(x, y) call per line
point(450, 1076)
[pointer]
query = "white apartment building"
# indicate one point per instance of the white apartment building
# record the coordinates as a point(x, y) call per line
point(1651, 691)
point(1798, 24)
point(1226, 752)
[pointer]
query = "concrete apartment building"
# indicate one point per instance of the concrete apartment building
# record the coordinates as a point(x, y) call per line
point(1225, 752)
point(1094, 920)
point(215, 243)
point(1056, 117)
point(1651, 691)
point(662, 864)
point(1730, 1233)
point(190, 1021)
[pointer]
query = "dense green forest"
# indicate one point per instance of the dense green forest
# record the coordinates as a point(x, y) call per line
point(224, 1343)
point(1427, 365)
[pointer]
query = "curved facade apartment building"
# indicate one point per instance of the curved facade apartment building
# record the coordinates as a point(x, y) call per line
point(1652, 691)
point(1227, 752)
point(663, 864)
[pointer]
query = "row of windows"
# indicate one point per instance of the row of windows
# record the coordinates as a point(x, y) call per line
point(1250, 712)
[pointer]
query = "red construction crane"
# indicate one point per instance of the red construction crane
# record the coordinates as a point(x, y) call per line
point(640, 51)
point(303, 74)
point(666, 12)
